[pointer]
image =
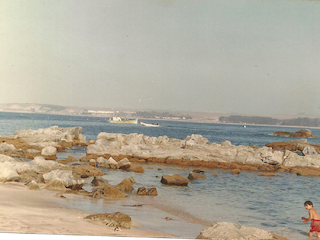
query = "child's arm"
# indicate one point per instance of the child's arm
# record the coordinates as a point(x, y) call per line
point(310, 217)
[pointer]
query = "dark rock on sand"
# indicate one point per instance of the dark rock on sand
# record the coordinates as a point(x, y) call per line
point(174, 179)
point(147, 191)
point(106, 191)
point(117, 219)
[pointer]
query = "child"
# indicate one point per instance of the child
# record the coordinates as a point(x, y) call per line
point(314, 217)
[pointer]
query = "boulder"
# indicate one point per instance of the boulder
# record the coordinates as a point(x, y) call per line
point(309, 150)
point(226, 231)
point(124, 164)
point(33, 185)
point(55, 185)
point(64, 176)
point(49, 153)
point(7, 148)
point(101, 162)
point(117, 219)
point(8, 174)
point(125, 185)
point(111, 163)
point(235, 171)
point(136, 168)
point(107, 191)
point(147, 191)
point(174, 179)
point(98, 181)
point(193, 175)
point(85, 171)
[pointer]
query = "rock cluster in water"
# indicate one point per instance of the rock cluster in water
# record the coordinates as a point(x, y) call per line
point(196, 150)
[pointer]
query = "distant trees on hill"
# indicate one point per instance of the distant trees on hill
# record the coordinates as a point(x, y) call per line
point(309, 122)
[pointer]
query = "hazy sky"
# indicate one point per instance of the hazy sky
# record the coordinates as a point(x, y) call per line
point(241, 56)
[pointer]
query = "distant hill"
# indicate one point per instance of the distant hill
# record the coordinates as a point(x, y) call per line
point(302, 121)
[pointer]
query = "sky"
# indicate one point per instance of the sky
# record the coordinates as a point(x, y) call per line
point(232, 56)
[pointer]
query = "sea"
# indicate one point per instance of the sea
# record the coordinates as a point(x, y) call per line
point(274, 204)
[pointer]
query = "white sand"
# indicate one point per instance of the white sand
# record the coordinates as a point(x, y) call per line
point(26, 211)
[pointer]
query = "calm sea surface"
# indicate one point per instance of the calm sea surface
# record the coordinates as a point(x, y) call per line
point(274, 204)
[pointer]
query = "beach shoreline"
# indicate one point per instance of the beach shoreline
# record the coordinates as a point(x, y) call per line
point(37, 212)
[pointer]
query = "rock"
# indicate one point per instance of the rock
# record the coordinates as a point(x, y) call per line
point(111, 163)
point(85, 171)
point(101, 162)
point(235, 171)
point(309, 150)
point(64, 176)
point(5, 148)
point(92, 162)
point(198, 171)
point(267, 175)
point(8, 174)
point(132, 180)
point(226, 231)
point(125, 185)
point(50, 136)
point(307, 171)
point(136, 168)
point(303, 133)
point(55, 185)
point(117, 219)
point(147, 191)
point(124, 164)
point(216, 175)
point(107, 191)
point(49, 153)
point(68, 160)
point(193, 175)
point(33, 185)
point(98, 181)
point(29, 176)
point(174, 179)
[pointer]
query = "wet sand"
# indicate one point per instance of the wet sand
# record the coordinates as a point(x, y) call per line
point(26, 211)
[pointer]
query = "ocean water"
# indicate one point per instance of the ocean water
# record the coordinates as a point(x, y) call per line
point(274, 204)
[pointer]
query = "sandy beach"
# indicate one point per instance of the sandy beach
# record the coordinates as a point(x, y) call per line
point(27, 211)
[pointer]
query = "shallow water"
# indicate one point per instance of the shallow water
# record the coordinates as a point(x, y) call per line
point(274, 204)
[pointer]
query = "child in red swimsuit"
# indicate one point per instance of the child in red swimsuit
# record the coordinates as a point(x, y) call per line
point(314, 217)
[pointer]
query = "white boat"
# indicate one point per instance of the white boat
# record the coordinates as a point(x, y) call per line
point(123, 120)
point(149, 124)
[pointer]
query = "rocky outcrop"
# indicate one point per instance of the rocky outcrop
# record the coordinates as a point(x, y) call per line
point(174, 179)
point(117, 219)
point(51, 136)
point(193, 148)
point(294, 146)
point(303, 133)
point(226, 231)
point(196, 150)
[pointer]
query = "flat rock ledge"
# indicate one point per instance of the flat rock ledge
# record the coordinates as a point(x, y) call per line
point(197, 151)
point(116, 219)
point(228, 231)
